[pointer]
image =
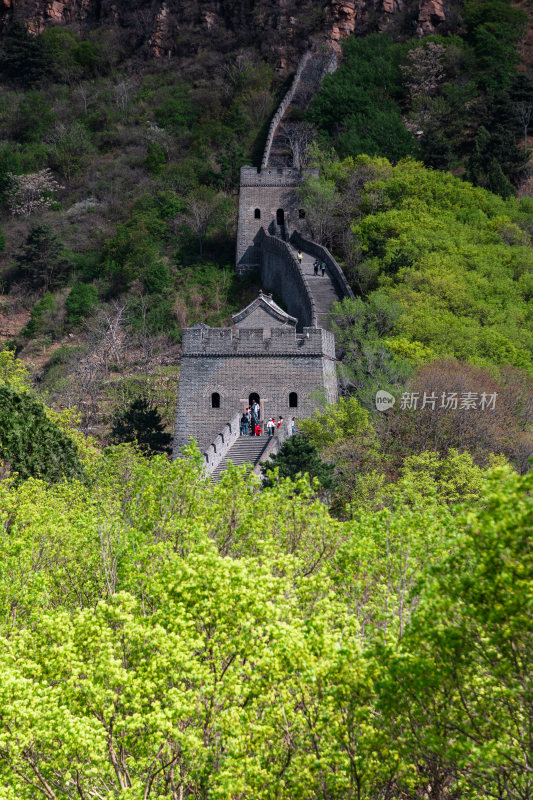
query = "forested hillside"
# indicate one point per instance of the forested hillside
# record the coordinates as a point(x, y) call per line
point(354, 624)
point(118, 180)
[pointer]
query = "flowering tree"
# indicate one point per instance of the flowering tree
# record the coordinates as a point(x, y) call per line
point(31, 192)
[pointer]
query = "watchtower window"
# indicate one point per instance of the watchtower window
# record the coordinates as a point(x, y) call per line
point(257, 213)
point(253, 398)
point(293, 400)
point(215, 400)
point(301, 213)
point(280, 217)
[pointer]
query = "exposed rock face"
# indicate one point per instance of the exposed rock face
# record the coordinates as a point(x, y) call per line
point(431, 15)
point(351, 16)
point(281, 29)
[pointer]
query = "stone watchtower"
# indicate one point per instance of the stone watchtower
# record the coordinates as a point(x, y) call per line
point(268, 199)
point(261, 357)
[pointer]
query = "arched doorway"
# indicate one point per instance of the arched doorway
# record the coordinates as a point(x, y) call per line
point(280, 217)
point(254, 398)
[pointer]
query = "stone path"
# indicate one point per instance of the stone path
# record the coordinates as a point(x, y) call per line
point(246, 449)
point(323, 289)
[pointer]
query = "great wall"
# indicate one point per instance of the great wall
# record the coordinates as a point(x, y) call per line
point(283, 358)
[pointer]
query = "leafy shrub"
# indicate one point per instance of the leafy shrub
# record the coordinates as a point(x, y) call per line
point(155, 158)
point(156, 277)
point(80, 302)
point(177, 112)
point(41, 316)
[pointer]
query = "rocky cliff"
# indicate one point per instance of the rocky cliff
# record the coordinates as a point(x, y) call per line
point(281, 29)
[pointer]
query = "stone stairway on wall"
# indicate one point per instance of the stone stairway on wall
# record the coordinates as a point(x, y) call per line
point(247, 449)
point(322, 288)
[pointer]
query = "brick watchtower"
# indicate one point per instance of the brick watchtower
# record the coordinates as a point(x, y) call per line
point(260, 357)
point(268, 199)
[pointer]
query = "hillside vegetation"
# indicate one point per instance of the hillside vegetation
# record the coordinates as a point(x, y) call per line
point(357, 626)
point(118, 181)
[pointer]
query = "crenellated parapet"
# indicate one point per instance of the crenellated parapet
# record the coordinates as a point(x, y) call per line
point(239, 342)
point(270, 176)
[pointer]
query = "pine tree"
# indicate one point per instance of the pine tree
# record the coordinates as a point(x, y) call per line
point(141, 423)
point(43, 262)
point(24, 58)
point(298, 455)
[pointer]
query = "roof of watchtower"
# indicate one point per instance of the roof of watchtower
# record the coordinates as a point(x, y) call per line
point(266, 304)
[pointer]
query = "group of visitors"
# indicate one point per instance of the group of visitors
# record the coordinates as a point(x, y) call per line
point(250, 421)
point(316, 265)
point(251, 424)
point(319, 265)
point(272, 425)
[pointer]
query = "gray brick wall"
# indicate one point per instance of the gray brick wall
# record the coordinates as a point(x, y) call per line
point(234, 363)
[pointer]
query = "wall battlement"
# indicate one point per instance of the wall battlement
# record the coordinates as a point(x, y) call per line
point(239, 342)
point(270, 176)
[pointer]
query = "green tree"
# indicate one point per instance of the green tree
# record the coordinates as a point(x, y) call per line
point(357, 104)
point(368, 363)
point(43, 262)
point(24, 59)
point(31, 445)
point(141, 422)
point(496, 161)
point(34, 117)
point(461, 681)
point(345, 437)
point(13, 372)
point(70, 149)
point(297, 456)
point(80, 302)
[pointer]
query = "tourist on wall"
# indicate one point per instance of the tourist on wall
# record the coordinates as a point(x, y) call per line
point(280, 422)
point(270, 427)
point(323, 268)
point(300, 256)
point(316, 266)
point(290, 427)
point(257, 429)
point(244, 425)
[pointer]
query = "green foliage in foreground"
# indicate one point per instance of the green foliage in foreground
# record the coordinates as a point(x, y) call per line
point(178, 638)
point(30, 443)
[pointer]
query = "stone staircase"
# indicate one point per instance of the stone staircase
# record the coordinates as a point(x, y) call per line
point(247, 449)
point(323, 289)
